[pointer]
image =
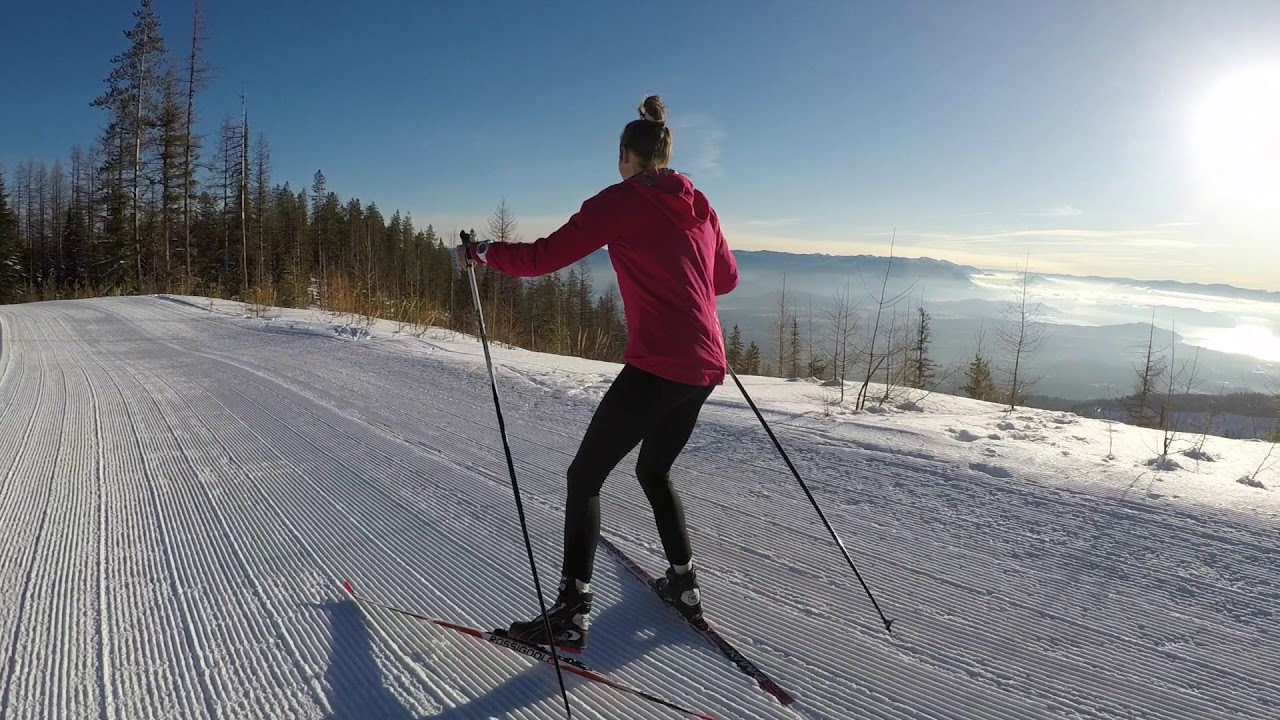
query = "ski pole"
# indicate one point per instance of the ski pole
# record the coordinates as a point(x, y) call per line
point(888, 624)
point(511, 468)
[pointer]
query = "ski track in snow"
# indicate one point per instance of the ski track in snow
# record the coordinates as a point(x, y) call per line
point(182, 493)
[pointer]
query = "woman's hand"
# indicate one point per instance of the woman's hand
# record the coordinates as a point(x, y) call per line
point(463, 250)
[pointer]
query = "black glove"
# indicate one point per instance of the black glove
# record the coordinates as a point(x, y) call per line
point(464, 251)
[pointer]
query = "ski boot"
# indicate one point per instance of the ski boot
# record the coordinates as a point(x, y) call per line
point(570, 620)
point(681, 591)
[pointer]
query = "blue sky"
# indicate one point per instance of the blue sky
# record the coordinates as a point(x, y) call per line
point(981, 131)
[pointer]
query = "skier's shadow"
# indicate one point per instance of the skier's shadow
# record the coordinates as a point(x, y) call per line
point(620, 626)
point(356, 689)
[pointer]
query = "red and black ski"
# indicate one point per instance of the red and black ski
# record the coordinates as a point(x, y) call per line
point(534, 652)
point(705, 629)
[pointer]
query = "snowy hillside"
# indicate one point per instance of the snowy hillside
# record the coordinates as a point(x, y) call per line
point(183, 489)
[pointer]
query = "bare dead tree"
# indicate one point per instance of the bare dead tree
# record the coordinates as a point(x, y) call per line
point(261, 191)
point(882, 301)
point(1021, 337)
point(817, 365)
point(244, 194)
point(1149, 374)
point(780, 327)
point(843, 326)
point(897, 356)
point(1185, 381)
point(197, 75)
point(1253, 479)
point(1215, 406)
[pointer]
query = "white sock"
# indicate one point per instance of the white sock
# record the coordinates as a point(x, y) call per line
point(583, 587)
point(682, 569)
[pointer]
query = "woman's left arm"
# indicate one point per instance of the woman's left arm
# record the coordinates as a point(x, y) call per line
point(591, 228)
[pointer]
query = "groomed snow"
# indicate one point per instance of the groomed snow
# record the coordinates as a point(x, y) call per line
point(183, 488)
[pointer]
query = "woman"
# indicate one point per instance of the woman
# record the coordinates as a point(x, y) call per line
point(671, 261)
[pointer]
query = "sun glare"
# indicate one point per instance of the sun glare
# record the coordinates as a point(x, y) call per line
point(1235, 137)
point(1255, 339)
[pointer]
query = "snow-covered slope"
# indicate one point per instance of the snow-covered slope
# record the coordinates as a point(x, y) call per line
point(183, 488)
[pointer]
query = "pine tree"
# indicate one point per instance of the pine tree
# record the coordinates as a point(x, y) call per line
point(585, 301)
point(751, 363)
point(75, 246)
point(978, 383)
point(130, 103)
point(267, 253)
point(921, 369)
point(319, 225)
point(11, 269)
point(733, 350)
point(794, 350)
point(170, 142)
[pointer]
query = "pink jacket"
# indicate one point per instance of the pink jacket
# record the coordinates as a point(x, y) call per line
point(671, 260)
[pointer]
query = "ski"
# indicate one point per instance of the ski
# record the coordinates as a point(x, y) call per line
point(705, 629)
point(534, 652)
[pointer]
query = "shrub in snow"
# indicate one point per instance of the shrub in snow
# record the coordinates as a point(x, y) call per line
point(910, 406)
point(1252, 482)
point(1164, 462)
point(1198, 454)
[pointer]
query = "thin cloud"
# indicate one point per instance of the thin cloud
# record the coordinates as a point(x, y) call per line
point(702, 137)
point(766, 223)
point(1175, 224)
point(1060, 211)
point(979, 214)
point(1076, 247)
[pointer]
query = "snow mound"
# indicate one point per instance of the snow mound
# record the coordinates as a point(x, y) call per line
point(1252, 482)
point(1165, 463)
point(1198, 454)
point(355, 332)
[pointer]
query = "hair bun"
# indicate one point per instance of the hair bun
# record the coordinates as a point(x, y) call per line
point(653, 110)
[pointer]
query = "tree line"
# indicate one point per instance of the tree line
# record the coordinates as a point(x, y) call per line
point(153, 205)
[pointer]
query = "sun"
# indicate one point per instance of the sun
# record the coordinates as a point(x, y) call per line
point(1235, 137)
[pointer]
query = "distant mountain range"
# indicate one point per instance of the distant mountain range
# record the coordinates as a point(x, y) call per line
point(772, 262)
point(868, 265)
point(1216, 289)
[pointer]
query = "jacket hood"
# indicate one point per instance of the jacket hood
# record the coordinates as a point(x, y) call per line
point(675, 194)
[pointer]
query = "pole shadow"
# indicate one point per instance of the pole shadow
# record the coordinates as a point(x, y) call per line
point(355, 687)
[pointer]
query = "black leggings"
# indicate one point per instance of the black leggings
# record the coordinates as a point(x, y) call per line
point(638, 408)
